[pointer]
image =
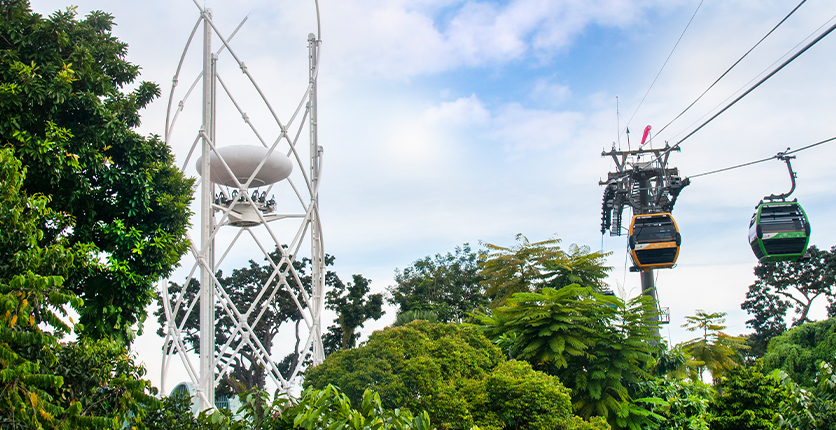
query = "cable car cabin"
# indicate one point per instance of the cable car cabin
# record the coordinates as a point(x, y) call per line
point(779, 231)
point(654, 241)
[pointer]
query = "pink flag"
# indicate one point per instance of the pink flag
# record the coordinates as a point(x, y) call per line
point(646, 133)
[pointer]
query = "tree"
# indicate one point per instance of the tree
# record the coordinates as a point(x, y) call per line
point(598, 346)
point(788, 284)
point(800, 351)
point(45, 383)
point(813, 408)
point(353, 308)
point(329, 408)
point(674, 363)
point(687, 402)
point(714, 350)
point(172, 413)
point(747, 400)
point(446, 284)
point(514, 396)
point(64, 111)
point(407, 317)
point(416, 367)
point(530, 267)
point(453, 372)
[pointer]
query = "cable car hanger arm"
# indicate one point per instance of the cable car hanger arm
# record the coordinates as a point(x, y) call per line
point(786, 158)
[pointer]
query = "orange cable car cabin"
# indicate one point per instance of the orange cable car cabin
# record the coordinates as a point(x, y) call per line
point(654, 241)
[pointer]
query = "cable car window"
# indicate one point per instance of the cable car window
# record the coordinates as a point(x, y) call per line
point(781, 218)
point(659, 230)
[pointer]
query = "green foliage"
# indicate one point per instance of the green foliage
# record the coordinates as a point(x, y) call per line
point(515, 396)
point(747, 399)
point(594, 423)
point(597, 345)
point(328, 408)
point(714, 350)
point(784, 285)
point(331, 409)
point(675, 363)
point(416, 367)
point(102, 378)
point(171, 413)
point(454, 373)
point(687, 401)
point(404, 318)
point(447, 285)
point(800, 351)
point(532, 266)
point(810, 409)
point(45, 383)
point(353, 308)
point(63, 110)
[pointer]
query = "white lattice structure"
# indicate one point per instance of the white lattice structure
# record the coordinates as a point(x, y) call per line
point(235, 217)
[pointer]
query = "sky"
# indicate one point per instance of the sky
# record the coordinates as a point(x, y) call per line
point(446, 122)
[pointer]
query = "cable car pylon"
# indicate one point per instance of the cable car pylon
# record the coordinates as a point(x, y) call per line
point(650, 188)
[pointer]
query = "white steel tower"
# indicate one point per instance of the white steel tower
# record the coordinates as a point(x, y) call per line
point(237, 217)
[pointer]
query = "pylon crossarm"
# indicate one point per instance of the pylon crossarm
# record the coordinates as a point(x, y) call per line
point(246, 72)
point(240, 63)
point(186, 313)
point(257, 301)
point(174, 81)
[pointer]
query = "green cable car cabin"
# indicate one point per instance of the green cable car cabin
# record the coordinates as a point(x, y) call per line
point(779, 231)
point(654, 241)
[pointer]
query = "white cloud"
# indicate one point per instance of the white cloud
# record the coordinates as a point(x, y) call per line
point(405, 39)
point(468, 110)
point(521, 128)
point(550, 93)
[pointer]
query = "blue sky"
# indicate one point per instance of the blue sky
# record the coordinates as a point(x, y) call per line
point(447, 122)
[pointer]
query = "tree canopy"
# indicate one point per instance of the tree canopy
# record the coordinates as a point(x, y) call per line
point(416, 366)
point(714, 351)
point(46, 383)
point(598, 346)
point(454, 373)
point(64, 110)
point(531, 266)
point(354, 306)
point(785, 285)
point(800, 351)
point(747, 399)
point(448, 285)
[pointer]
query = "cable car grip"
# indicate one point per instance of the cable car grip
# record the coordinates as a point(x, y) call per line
point(785, 158)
